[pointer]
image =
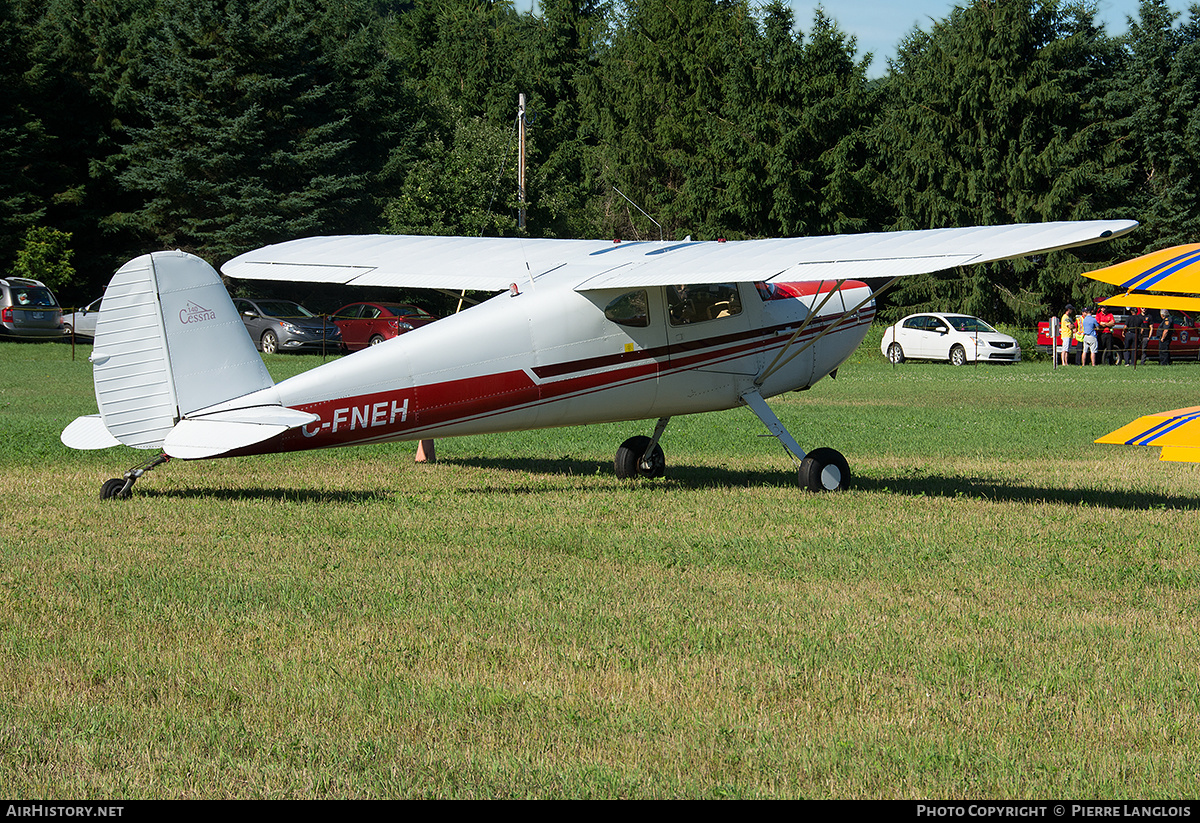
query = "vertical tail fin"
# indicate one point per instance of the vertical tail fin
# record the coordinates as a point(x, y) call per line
point(168, 342)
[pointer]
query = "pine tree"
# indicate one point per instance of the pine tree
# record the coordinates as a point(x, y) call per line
point(994, 117)
point(264, 120)
point(1160, 91)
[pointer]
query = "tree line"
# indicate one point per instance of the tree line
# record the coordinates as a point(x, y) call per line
point(217, 126)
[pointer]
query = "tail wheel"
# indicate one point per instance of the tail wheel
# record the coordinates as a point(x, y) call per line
point(113, 488)
point(824, 470)
point(958, 356)
point(895, 354)
point(629, 464)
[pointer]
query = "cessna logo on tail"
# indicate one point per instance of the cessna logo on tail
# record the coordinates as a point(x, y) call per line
point(195, 314)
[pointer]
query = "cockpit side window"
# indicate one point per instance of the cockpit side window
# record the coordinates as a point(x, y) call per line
point(630, 309)
point(696, 304)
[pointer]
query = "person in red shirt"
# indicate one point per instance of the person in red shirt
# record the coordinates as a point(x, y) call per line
point(1105, 323)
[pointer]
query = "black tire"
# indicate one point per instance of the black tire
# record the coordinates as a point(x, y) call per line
point(895, 354)
point(958, 356)
point(627, 463)
point(113, 488)
point(824, 470)
point(375, 340)
point(270, 343)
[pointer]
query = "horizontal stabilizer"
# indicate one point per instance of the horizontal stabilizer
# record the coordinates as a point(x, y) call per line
point(88, 433)
point(212, 435)
point(1176, 432)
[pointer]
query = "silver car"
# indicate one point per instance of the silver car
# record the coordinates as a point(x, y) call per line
point(283, 325)
point(28, 309)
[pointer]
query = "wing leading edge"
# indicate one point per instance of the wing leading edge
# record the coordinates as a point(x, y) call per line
point(493, 264)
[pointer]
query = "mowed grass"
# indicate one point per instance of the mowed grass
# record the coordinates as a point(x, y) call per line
point(999, 608)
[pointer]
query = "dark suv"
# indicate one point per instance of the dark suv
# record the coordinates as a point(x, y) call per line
point(29, 310)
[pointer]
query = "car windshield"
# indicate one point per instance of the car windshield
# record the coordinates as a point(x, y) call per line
point(283, 308)
point(968, 324)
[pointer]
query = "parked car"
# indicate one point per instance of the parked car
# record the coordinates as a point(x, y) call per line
point(28, 309)
point(369, 324)
point(1185, 337)
point(82, 323)
point(284, 325)
point(957, 338)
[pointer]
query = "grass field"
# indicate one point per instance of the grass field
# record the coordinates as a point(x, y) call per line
point(999, 607)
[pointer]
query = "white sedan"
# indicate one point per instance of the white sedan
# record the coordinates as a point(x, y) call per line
point(82, 323)
point(957, 338)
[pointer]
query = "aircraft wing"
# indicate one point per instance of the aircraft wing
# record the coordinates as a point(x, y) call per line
point(1156, 280)
point(1177, 433)
point(493, 264)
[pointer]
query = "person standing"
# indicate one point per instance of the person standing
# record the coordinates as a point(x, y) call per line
point(1088, 326)
point(1106, 323)
point(1135, 336)
point(1164, 338)
point(1066, 333)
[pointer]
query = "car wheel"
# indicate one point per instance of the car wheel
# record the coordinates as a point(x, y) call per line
point(958, 356)
point(895, 354)
point(375, 340)
point(270, 343)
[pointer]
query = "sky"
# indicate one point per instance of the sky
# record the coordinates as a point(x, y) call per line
point(880, 25)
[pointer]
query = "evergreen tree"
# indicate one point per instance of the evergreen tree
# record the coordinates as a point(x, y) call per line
point(263, 120)
point(1159, 89)
point(994, 117)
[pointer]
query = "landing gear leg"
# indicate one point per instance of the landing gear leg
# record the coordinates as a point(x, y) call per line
point(820, 469)
point(641, 456)
point(123, 486)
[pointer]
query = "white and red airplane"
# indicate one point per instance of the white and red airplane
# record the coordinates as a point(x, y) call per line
point(582, 332)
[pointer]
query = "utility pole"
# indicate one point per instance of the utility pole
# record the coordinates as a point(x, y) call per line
point(521, 161)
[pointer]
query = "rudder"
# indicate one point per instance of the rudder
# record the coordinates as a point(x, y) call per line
point(168, 342)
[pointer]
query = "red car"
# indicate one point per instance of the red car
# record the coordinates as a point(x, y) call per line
point(369, 324)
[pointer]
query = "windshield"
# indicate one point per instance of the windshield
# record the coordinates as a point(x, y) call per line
point(967, 324)
point(283, 308)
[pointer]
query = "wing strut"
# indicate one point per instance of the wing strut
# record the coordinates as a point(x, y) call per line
point(776, 365)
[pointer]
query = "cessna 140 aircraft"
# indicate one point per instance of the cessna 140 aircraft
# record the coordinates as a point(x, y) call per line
point(1167, 279)
point(583, 331)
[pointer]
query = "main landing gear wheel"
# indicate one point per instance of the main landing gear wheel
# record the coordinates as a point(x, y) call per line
point(824, 470)
point(895, 354)
point(629, 463)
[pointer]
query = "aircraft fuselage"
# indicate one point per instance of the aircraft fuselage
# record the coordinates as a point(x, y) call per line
point(558, 357)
